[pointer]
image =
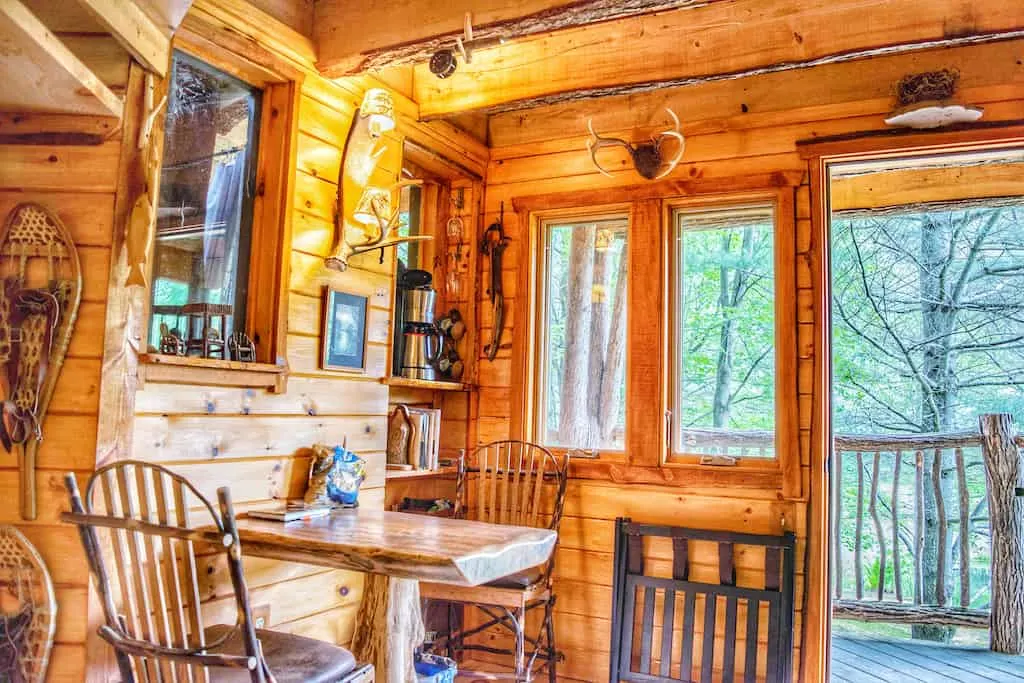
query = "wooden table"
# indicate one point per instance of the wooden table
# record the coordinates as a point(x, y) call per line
point(398, 550)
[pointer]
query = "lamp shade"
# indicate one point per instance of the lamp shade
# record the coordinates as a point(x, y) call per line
point(374, 207)
point(379, 108)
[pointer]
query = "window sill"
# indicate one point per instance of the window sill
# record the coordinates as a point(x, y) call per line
point(166, 369)
point(685, 476)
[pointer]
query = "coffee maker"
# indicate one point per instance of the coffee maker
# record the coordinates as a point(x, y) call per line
point(417, 348)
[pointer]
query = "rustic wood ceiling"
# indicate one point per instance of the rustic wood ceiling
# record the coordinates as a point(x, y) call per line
point(561, 52)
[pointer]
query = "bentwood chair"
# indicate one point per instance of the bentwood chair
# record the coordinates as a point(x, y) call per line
point(522, 484)
point(150, 592)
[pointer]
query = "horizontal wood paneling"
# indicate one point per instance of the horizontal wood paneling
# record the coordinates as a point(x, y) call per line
point(264, 455)
point(734, 129)
point(77, 183)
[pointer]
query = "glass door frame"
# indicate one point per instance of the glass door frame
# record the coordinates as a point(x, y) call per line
point(821, 155)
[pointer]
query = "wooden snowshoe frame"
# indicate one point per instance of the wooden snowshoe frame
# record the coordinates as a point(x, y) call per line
point(36, 253)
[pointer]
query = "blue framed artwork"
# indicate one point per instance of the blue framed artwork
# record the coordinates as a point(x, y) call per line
point(344, 331)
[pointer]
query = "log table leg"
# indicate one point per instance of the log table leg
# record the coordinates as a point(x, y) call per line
point(389, 627)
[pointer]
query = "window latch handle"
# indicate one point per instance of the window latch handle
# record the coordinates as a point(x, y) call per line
point(668, 435)
point(584, 454)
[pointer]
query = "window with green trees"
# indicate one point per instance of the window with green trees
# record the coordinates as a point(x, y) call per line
point(723, 388)
point(582, 334)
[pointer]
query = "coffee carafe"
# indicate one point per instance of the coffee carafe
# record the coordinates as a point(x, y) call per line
point(418, 347)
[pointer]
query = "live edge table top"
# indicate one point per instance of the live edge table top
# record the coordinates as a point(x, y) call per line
point(436, 549)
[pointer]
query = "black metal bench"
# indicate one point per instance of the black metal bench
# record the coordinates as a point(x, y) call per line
point(636, 592)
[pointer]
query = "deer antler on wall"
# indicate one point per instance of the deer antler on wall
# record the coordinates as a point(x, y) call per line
point(647, 157)
point(372, 211)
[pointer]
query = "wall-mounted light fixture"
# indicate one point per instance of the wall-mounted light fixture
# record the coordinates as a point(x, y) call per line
point(372, 212)
point(443, 63)
point(379, 109)
point(380, 225)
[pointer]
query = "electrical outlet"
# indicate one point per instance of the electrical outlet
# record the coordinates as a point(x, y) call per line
point(261, 616)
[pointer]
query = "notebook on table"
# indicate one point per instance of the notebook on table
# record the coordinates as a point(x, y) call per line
point(290, 512)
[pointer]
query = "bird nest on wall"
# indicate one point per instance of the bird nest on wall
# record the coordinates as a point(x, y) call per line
point(926, 101)
point(930, 85)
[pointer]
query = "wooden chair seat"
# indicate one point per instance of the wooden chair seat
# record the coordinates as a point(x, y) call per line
point(508, 595)
point(522, 484)
point(291, 658)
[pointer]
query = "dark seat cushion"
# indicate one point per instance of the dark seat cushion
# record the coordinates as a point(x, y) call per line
point(523, 579)
point(292, 659)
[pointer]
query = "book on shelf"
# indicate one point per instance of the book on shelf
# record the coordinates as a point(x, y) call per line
point(425, 440)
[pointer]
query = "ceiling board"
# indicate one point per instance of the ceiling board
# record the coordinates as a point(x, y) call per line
point(720, 40)
point(40, 73)
point(355, 36)
point(148, 40)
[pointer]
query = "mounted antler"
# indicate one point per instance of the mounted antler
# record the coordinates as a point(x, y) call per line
point(385, 227)
point(646, 157)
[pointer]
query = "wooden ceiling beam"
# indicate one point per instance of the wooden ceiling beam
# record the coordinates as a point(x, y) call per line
point(353, 37)
point(718, 41)
point(40, 73)
point(988, 73)
point(147, 42)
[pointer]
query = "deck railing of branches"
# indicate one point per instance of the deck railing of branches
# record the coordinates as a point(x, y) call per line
point(889, 472)
point(883, 509)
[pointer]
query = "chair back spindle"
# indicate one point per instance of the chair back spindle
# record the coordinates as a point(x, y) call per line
point(754, 642)
point(136, 523)
point(517, 483)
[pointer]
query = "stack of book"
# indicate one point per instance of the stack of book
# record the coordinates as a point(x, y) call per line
point(414, 438)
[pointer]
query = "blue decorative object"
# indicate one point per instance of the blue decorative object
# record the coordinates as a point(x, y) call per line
point(434, 669)
point(335, 476)
point(348, 474)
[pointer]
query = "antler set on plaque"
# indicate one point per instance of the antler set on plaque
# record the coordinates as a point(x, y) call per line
point(647, 156)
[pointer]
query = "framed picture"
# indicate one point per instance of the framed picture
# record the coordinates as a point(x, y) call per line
point(344, 331)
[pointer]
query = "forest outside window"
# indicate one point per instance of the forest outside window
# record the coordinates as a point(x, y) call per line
point(205, 214)
point(723, 329)
point(581, 334)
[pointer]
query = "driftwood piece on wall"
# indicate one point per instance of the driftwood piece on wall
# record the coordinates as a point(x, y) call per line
point(124, 328)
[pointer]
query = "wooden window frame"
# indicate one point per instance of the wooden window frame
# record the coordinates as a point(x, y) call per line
point(270, 249)
point(648, 352)
point(784, 277)
point(535, 374)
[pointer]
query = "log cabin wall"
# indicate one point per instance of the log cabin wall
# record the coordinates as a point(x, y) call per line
point(264, 455)
point(261, 456)
point(74, 173)
point(736, 131)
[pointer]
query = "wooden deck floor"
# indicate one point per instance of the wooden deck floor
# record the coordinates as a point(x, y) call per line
point(856, 660)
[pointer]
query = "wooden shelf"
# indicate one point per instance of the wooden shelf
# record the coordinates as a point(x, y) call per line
point(426, 384)
point(414, 474)
point(167, 369)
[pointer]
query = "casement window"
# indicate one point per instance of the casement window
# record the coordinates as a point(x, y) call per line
point(220, 260)
point(722, 327)
point(581, 334)
point(661, 336)
point(205, 209)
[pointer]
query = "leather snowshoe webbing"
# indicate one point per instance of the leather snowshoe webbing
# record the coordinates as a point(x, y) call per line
point(33, 320)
